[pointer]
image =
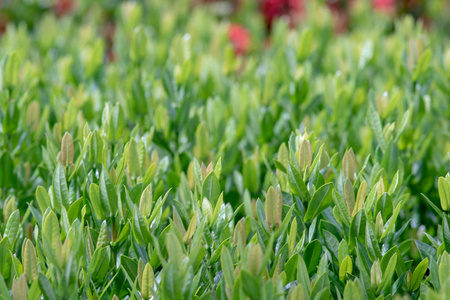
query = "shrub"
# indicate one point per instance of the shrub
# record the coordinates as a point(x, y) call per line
point(141, 157)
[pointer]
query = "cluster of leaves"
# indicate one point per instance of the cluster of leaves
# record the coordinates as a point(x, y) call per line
point(178, 170)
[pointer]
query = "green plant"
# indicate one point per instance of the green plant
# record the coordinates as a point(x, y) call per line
point(176, 169)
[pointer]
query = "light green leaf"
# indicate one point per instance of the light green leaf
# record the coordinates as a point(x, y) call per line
point(375, 124)
point(42, 198)
point(444, 193)
point(146, 201)
point(388, 272)
point(147, 281)
point(227, 267)
point(29, 261)
point(418, 274)
point(108, 195)
point(67, 150)
point(12, 226)
point(211, 188)
point(345, 267)
point(60, 189)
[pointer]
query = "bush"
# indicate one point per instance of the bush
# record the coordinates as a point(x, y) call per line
point(144, 155)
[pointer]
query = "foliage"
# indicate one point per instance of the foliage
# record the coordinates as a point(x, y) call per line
point(174, 168)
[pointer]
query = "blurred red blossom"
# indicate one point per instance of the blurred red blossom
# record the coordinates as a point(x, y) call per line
point(3, 22)
point(108, 33)
point(273, 9)
point(240, 38)
point(385, 6)
point(340, 12)
point(64, 7)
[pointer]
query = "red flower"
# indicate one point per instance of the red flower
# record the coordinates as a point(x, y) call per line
point(385, 6)
point(273, 9)
point(240, 38)
point(64, 7)
point(340, 12)
point(3, 23)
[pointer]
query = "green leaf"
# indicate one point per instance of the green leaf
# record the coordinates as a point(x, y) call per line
point(7, 177)
point(311, 255)
point(273, 208)
point(444, 267)
point(51, 236)
point(342, 208)
point(422, 65)
point(42, 198)
point(202, 143)
point(75, 210)
point(12, 226)
point(446, 232)
point(418, 274)
point(227, 267)
point(388, 272)
point(171, 282)
point(12, 69)
point(354, 291)
point(116, 124)
point(321, 288)
point(133, 164)
point(393, 219)
point(191, 228)
point(124, 234)
point(292, 236)
point(60, 189)
point(129, 266)
point(35, 291)
point(348, 165)
point(254, 259)
point(4, 292)
point(251, 286)
point(444, 193)
point(103, 238)
point(147, 281)
point(303, 276)
point(99, 209)
point(146, 201)
point(138, 44)
point(5, 258)
point(46, 287)
point(357, 229)
point(175, 250)
point(331, 242)
point(290, 267)
point(67, 150)
point(426, 251)
point(375, 124)
point(305, 44)
point(250, 175)
point(298, 292)
point(95, 148)
point(20, 288)
point(345, 267)
point(320, 201)
point(29, 261)
point(279, 166)
point(297, 184)
point(435, 208)
point(140, 228)
point(74, 169)
point(211, 188)
point(108, 195)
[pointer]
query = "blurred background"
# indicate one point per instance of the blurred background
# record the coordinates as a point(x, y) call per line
point(251, 20)
point(345, 13)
